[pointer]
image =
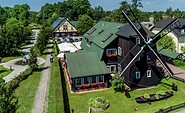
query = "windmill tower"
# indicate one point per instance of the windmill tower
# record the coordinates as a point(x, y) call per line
point(140, 63)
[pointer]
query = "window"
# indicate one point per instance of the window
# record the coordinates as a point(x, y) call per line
point(119, 51)
point(108, 68)
point(182, 31)
point(137, 40)
point(111, 51)
point(149, 73)
point(100, 32)
point(65, 27)
point(119, 68)
point(78, 81)
point(148, 58)
point(137, 75)
point(86, 80)
point(101, 78)
point(94, 79)
point(113, 68)
point(91, 31)
point(106, 38)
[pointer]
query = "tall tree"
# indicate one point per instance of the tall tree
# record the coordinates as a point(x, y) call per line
point(85, 22)
point(8, 101)
point(167, 43)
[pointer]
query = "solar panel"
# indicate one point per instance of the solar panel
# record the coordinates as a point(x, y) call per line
point(56, 23)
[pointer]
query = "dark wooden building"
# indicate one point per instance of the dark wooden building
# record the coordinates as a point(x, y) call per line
point(144, 72)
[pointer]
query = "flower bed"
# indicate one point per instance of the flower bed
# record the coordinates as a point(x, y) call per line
point(154, 97)
point(98, 104)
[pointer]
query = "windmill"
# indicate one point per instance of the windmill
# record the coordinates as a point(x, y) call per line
point(148, 46)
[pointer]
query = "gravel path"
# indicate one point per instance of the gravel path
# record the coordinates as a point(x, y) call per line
point(40, 104)
point(20, 68)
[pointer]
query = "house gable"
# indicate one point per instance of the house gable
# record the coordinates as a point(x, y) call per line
point(100, 36)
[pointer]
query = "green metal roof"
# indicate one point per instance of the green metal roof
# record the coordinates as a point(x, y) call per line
point(168, 53)
point(85, 64)
point(96, 38)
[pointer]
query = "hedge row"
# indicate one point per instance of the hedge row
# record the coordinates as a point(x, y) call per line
point(178, 63)
point(13, 84)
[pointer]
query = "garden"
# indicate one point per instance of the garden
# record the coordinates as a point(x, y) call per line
point(119, 103)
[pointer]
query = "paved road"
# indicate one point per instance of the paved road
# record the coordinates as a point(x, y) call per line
point(40, 104)
point(18, 68)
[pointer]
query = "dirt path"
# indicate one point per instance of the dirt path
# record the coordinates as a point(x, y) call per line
point(40, 104)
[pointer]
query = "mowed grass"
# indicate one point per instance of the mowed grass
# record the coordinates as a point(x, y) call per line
point(6, 59)
point(4, 71)
point(120, 104)
point(26, 92)
point(55, 98)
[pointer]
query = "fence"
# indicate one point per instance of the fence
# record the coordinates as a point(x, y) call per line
point(171, 108)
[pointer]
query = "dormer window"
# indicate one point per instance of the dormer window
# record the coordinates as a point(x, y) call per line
point(182, 31)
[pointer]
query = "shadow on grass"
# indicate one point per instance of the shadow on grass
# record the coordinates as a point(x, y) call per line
point(47, 53)
point(2, 71)
point(41, 69)
point(64, 89)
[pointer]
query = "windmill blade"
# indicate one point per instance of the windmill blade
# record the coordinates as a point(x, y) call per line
point(134, 27)
point(137, 20)
point(156, 37)
point(163, 63)
point(139, 53)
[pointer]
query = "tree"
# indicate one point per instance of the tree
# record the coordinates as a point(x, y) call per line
point(98, 13)
point(8, 101)
point(43, 37)
point(32, 61)
point(85, 22)
point(117, 82)
point(167, 43)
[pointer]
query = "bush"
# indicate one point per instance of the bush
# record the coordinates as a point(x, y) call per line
point(17, 80)
point(178, 63)
point(99, 102)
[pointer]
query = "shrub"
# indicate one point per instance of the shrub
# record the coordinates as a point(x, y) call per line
point(98, 102)
point(178, 63)
point(147, 96)
point(17, 80)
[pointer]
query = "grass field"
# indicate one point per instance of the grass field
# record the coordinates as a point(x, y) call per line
point(26, 92)
point(6, 59)
point(55, 98)
point(4, 71)
point(120, 104)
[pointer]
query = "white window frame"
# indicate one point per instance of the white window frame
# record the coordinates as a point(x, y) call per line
point(108, 68)
point(149, 73)
point(119, 68)
point(138, 76)
point(112, 66)
point(119, 51)
point(182, 31)
point(113, 49)
point(148, 58)
point(138, 41)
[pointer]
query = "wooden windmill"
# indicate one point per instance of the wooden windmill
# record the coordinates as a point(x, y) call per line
point(145, 49)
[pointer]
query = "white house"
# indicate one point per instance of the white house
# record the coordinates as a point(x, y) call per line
point(178, 34)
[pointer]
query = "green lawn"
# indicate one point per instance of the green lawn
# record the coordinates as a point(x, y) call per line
point(6, 59)
point(26, 92)
point(4, 71)
point(120, 104)
point(55, 98)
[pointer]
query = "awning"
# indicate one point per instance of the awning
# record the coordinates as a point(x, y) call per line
point(61, 55)
point(67, 47)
